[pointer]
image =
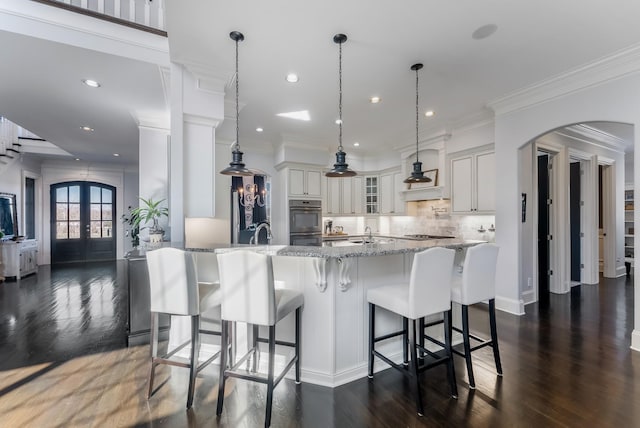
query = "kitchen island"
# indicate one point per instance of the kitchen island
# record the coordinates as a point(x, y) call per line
point(335, 281)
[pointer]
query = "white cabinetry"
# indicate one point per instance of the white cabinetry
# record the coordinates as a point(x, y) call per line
point(390, 198)
point(305, 183)
point(473, 183)
point(19, 258)
point(344, 195)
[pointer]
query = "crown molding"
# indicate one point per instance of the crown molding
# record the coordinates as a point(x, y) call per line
point(589, 141)
point(200, 120)
point(208, 79)
point(619, 64)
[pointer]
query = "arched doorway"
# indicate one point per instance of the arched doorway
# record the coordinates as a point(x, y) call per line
point(581, 206)
point(82, 222)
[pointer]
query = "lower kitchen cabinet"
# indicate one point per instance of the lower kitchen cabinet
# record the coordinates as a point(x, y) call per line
point(19, 258)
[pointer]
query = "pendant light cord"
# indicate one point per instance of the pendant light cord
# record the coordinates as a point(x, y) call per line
point(417, 115)
point(237, 95)
point(340, 97)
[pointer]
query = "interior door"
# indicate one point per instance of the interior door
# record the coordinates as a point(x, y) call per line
point(543, 227)
point(575, 210)
point(82, 224)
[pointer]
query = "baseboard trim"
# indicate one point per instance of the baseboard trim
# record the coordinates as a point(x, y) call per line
point(635, 340)
point(512, 306)
point(529, 297)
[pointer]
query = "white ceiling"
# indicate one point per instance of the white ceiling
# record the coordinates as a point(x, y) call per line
point(40, 85)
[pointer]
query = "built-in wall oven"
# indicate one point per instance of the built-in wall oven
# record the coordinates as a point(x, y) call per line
point(305, 222)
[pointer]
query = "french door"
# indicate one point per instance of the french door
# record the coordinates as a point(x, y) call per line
point(82, 223)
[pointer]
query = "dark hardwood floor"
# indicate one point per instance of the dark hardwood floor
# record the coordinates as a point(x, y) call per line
point(63, 363)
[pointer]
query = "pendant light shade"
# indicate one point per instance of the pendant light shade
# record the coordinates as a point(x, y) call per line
point(236, 166)
point(417, 175)
point(340, 168)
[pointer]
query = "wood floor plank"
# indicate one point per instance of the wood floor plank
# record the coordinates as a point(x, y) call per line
point(64, 363)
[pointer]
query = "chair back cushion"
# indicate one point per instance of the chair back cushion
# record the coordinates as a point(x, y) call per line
point(206, 267)
point(479, 274)
point(172, 282)
point(430, 282)
point(246, 282)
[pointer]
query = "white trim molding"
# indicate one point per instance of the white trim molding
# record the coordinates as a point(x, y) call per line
point(619, 64)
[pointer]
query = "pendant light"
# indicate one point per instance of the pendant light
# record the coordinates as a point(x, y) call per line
point(236, 166)
point(417, 175)
point(340, 168)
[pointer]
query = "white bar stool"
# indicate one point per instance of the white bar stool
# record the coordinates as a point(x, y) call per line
point(477, 284)
point(175, 290)
point(249, 296)
point(427, 293)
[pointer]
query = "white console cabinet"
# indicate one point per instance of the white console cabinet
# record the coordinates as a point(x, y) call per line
point(19, 258)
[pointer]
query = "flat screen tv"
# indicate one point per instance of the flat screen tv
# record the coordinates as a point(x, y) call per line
point(8, 215)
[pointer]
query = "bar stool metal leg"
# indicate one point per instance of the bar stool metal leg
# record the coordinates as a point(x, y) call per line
point(405, 341)
point(451, 371)
point(372, 325)
point(297, 347)
point(195, 351)
point(224, 354)
point(467, 345)
point(494, 335)
point(154, 350)
point(272, 352)
point(256, 352)
point(415, 367)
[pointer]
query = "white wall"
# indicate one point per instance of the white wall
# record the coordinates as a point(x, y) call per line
point(611, 101)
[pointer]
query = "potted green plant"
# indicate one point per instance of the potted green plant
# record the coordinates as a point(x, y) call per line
point(133, 220)
point(150, 212)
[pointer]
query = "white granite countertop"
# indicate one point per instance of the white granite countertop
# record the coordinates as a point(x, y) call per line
point(337, 249)
point(397, 246)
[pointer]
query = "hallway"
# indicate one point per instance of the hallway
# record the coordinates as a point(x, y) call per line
point(64, 363)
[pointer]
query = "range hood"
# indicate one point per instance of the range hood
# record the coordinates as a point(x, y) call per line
point(424, 194)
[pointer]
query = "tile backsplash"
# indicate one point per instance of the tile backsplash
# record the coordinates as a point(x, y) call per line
point(424, 217)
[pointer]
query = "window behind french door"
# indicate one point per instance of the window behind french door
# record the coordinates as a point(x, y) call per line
point(82, 222)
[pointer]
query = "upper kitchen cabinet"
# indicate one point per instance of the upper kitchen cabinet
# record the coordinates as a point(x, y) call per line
point(344, 195)
point(390, 197)
point(305, 183)
point(371, 194)
point(473, 183)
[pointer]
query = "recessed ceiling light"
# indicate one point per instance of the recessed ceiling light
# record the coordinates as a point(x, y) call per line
point(292, 78)
point(356, 144)
point(484, 31)
point(259, 129)
point(87, 128)
point(298, 115)
point(429, 113)
point(77, 159)
point(116, 154)
point(91, 83)
point(375, 100)
point(338, 121)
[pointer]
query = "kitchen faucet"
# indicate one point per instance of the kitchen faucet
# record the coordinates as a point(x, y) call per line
point(254, 238)
point(370, 234)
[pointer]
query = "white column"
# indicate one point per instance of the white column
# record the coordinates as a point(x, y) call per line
point(507, 218)
point(154, 168)
point(197, 108)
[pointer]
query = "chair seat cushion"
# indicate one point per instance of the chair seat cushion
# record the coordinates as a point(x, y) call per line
point(394, 298)
point(287, 301)
point(210, 295)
